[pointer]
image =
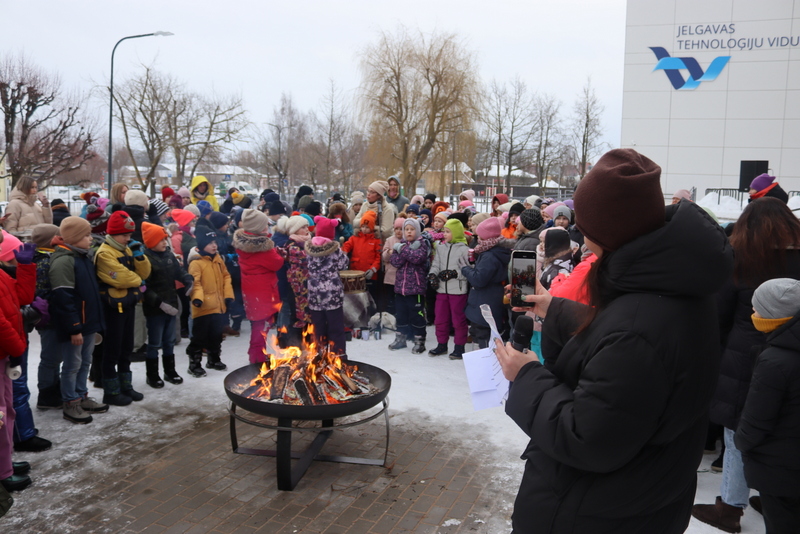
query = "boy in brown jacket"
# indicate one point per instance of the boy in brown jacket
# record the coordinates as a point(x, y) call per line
point(211, 295)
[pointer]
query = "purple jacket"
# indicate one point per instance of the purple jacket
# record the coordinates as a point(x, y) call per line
point(412, 267)
point(325, 289)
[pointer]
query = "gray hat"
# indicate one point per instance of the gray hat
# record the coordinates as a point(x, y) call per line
point(777, 298)
point(563, 210)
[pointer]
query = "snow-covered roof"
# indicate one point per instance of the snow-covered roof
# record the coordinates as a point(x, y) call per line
point(502, 170)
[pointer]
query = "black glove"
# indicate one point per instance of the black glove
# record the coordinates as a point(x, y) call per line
point(197, 303)
point(433, 280)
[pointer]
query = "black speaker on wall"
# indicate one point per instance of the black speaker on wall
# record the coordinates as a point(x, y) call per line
point(749, 170)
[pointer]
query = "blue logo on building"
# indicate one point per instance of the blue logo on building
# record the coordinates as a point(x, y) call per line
point(673, 65)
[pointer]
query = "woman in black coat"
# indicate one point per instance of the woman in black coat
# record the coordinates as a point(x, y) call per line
point(769, 429)
point(617, 415)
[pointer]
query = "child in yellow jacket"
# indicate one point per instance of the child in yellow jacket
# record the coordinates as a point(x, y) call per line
point(211, 295)
point(121, 268)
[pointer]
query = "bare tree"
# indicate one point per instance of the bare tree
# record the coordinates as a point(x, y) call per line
point(548, 137)
point(200, 127)
point(521, 124)
point(44, 133)
point(143, 105)
point(418, 88)
point(586, 128)
point(276, 142)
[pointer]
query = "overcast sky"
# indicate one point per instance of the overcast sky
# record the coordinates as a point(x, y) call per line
point(260, 49)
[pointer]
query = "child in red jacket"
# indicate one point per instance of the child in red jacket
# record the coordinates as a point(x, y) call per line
point(259, 262)
point(364, 249)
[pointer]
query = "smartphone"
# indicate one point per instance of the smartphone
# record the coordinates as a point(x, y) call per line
point(523, 275)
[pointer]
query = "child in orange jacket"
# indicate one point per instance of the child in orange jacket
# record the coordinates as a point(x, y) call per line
point(364, 250)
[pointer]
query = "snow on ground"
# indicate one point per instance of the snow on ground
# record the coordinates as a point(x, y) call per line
point(434, 390)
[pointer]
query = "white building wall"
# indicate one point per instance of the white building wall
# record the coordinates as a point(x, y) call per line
point(751, 111)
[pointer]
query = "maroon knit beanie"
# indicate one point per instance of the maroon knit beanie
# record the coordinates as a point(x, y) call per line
point(620, 176)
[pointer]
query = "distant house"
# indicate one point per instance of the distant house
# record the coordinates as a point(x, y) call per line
point(444, 182)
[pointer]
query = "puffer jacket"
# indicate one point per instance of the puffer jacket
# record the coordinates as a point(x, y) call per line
point(120, 274)
point(165, 270)
point(740, 346)
point(212, 284)
point(365, 252)
point(618, 414)
point(386, 217)
point(769, 429)
point(74, 302)
point(451, 257)
point(412, 267)
point(325, 289)
point(259, 263)
point(486, 278)
point(24, 213)
point(15, 293)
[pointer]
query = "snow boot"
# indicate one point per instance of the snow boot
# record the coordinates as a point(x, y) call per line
point(88, 404)
point(168, 361)
point(50, 398)
point(720, 515)
point(440, 349)
point(126, 384)
point(113, 394)
point(153, 380)
point(399, 342)
point(419, 345)
point(196, 365)
point(458, 353)
point(215, 363)
point(73, 412)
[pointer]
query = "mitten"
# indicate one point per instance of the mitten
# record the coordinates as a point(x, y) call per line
point(370, 273)
point(398, 246)
point(136, 248)
point(24, 254)
point(169, 310)
point(415, 245)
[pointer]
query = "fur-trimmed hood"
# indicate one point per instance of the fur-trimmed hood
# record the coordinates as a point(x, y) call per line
point(324, 250)
point(247, 242)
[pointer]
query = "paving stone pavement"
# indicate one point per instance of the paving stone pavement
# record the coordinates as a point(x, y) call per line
point(194, 483)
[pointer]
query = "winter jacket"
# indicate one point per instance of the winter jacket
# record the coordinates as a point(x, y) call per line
point(740, 346)
point(74, 302)
point(573, 286)
point(617, 415)
point(136, 213)
point(259, 263)
point(390, 271)
point(325, 289)
point(412, 267)
point(296, 263)
point(212, 285)
point(24, 213)
point(399, 203)
point(188, 242)
point(769, 429)
point(165, 270)
point(451, 257)
point(528, 241)
point(120, 275)
point(365, 253)
point(486, 278)
point(344, 231)
point(386, 217)
point(41, 258)
point(60, 213)
point(15, 293)
point(210, 197)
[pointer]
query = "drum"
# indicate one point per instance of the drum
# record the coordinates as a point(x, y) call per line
point(354, 281)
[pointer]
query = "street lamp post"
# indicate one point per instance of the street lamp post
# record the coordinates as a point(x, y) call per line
point(111, 93)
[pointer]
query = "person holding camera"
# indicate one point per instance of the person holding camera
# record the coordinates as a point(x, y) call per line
point(617, 414)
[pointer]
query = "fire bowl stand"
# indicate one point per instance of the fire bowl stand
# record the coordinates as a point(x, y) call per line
point(289, 477)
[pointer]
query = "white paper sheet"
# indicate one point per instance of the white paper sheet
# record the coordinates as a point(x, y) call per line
point(488, 387)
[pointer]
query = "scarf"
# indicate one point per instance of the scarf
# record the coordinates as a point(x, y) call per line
point(110, 241)
point(300, 238)
point(83, 251)
point(199, 195)
point(486, 244)
point(763, 191)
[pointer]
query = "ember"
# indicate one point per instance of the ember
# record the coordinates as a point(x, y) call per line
point(306, 377)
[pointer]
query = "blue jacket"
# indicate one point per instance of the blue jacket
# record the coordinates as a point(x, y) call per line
point(486, 279)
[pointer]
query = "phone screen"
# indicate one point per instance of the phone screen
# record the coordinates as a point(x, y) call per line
point(523, 278)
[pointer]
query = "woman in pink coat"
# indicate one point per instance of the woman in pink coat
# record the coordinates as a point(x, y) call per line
point(259, 263)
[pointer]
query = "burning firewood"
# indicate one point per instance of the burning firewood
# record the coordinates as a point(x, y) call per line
point(279, 380)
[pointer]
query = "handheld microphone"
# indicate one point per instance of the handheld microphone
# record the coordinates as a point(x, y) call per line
point(523, 332)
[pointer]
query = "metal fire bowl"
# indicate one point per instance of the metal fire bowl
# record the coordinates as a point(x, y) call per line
point(377, 377)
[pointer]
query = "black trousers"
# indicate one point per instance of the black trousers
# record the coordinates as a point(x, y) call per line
point(781, 514)
point(410, 314)
point(207, 334)
point(117, 341)
point(329, 328)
